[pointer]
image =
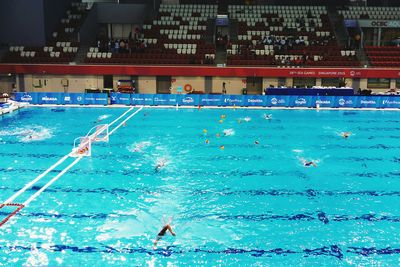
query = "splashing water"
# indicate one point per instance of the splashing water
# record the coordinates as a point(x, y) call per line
point(229, 132)
point(29, 133)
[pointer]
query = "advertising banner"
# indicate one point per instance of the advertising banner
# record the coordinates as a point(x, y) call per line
point(345, 101)
point(367, 102)
point(188, 100)
point(120, 99)
point(278, 101)
point(300, 101)
point(232, 100)
point(323, 101)
point(389, 102)
point(161, 99)
point(142, 99)
point(254, 101)
point(72, 99)
point(210, 100)
point(50, 98)
point(31, 98)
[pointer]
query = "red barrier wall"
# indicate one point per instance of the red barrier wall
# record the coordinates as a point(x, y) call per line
point(199, 71)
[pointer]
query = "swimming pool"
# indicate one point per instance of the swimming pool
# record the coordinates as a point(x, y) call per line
point(245, 205)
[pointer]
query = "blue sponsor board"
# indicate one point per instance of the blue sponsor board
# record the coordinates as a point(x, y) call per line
point(120, 99)
point(172, 99)
point(210, 100)
point(142, 99)
point(389, 102)
point(300, 101)
point(31, 98)
point(161, 99)
point(188, 100)
point(73, 99)
point(50, 98)
point(254, 101)
point(323, 101)
point(345, 101)
point(232, 100)
point(367, 102)
point(277, 101)
point(95, 99)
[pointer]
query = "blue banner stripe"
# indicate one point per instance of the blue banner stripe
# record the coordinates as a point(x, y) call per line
point(305, 101)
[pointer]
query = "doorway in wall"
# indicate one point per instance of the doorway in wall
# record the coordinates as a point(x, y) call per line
point(108, 81)
point(163, 84)
point(254, 85)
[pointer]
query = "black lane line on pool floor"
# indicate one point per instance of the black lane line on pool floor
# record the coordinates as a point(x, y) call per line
point(309, 193)
point(308, 216)
point(227, 173)
point(330, 251)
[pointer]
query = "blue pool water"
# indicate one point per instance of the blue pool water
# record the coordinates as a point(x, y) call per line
point(245, 205)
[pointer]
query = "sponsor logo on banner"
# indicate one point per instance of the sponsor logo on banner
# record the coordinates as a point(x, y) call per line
point(46, 98)
point(79, 98)
point(368, 102)
point(343, 102)
point(148, 99)
point(67, 98)
point(121, 98)
point(390, 102)
point(229, 100)
point(156, 99)
point(102, 99)
point(113, 98)
point(210, 100)
point(137, 99)
point(323, 102)
point(275, 101)
point(300, 101)
point(26, 98)
point(254, 100)
point(188, 100)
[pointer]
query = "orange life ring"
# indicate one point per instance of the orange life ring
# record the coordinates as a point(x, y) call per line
point(188, 88)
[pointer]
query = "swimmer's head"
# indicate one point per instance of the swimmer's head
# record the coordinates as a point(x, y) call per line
point(221, 121)
point(207, 141)
point(204, 131)
point(256, 142)
point(222, 147)
point(217, 135)
point(223, 116)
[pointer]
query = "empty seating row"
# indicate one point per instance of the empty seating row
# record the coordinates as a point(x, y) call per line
point(356, 12)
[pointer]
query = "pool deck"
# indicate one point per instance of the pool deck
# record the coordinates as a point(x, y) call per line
point(13, 107)
point(217, 107)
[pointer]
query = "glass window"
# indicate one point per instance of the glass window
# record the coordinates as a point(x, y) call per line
point(330, 82)
point(304, 82)
point(378, 83)
point(397, 83)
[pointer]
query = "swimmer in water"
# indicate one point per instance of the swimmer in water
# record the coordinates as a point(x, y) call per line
point(267, 116)
point(345, 135)
point(256, 142)
point(163, 231)
point(222, 147)
point(159, 165)
point(309, 163)
point(207, 141)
